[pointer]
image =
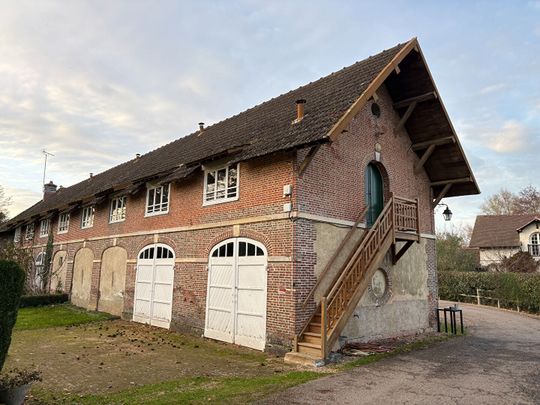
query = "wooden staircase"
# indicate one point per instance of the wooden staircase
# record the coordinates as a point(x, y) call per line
point(398, 222)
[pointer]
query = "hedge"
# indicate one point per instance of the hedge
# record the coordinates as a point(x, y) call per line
point(40, 300)
point(513, 289)
point(11, 288)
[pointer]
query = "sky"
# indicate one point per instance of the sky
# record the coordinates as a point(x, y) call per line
point(95, 82)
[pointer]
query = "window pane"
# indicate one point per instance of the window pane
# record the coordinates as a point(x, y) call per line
point(150, 198)
point(232, 176)
point(260, 251)
point(242, 249)
point(251, 249)
point(222, 251)
point(166, 193)
point(230, 249)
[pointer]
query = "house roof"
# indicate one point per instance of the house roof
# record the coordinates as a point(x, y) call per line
point(491, 231)
point(535, 219)
point(267, 128)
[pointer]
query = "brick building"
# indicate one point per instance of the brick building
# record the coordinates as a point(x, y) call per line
point(300, 221)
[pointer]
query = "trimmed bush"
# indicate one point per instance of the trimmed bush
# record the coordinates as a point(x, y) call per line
point(511, 288)
point(11, 288)
point(41, 300)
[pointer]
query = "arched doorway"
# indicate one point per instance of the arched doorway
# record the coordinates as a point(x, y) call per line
point(374, 193)
point(82, 278)
point(154, 286)
point(112, 280)
point(236, 294)
point(58, 275)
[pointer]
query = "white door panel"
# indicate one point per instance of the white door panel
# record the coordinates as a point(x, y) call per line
point(154, 286)
point(236, 296)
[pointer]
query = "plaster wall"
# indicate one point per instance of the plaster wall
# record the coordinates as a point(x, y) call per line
point(59, 269)
point(495, 255)
point(405, 307)
point(82, 277)
point(112, 280)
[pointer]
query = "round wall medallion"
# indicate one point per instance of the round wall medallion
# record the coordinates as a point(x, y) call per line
point(379, 287)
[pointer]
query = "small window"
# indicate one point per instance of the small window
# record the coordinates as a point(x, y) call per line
point(44, 227)
point(226, 250)
point(17, 236)
point(221, 185)
point(39, 270)
point(249, 249)
point(87, 217)
point(29, 231)
point(157, 200)
point(63, 223)
point(118, 210)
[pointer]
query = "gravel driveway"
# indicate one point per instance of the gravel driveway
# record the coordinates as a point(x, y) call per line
point(498, 362)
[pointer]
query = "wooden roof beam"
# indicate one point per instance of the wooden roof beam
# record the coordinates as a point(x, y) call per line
point(451, 181)
point(441, 195)
point(307, 159)
point(438, 141)
point(418, 99)
point(406, 116)
point(418, 166)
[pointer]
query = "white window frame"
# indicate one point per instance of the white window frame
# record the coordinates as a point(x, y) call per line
point(113, 219)
point(87, 217)
point(220, 200)
point(17, 236)
point(44, 227)
point(30, 230)
point(63, 223)
point(154, 212)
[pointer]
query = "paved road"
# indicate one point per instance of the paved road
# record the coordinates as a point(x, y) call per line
point(498, 362)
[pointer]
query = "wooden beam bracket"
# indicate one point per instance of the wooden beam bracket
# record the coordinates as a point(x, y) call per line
point(396, 255)
point(406, 116)
point(427, 153)
point(418, 99)
point(437, 141)
point(451, 181)
point(441, 195)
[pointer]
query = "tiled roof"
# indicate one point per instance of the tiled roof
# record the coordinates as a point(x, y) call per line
point(258, 131)
point(498, 230)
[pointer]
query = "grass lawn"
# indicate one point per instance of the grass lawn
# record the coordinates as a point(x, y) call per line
point(194, 390)
point(55, 316)
point(93, 358)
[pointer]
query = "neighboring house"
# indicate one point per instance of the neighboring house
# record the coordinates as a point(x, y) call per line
point(228, 231)
point(500, 236)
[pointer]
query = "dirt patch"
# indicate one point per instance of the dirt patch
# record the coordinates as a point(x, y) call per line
point(114, 355)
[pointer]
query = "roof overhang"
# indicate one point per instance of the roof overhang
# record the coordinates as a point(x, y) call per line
point(536, 219)
point(422, 112)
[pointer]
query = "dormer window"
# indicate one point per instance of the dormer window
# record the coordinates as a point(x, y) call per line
point(157, 200)
point(87, 217)
point(118, 210)
point(44, 227)
point(63, 223)
point(221, 184)
point(29, 231)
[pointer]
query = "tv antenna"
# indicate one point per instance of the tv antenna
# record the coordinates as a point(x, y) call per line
point(47, 154)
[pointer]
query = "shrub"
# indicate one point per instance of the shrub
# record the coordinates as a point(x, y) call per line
point(511, 288)
point(521, 262)
point(40, 300)
point(11, 288)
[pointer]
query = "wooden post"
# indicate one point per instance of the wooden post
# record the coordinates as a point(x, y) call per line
point(417, 219)
point(324, 328)
point(478, 296)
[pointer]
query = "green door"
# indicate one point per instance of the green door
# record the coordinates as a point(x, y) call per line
point(374, 193)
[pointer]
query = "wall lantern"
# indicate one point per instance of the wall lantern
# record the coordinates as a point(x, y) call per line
point(447, 214)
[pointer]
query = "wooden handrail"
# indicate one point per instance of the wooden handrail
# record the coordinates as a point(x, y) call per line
point(359, 250)
point(335, 255)
point(398, 215)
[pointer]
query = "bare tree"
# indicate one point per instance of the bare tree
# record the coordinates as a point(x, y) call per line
point(526, 201)
point(5, 202)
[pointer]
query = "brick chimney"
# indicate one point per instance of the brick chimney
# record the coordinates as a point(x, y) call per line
point(49, 189)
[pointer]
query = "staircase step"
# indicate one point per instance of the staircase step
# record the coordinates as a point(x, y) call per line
point(314, 334)
point(309, 349)
point(314, 327)
point(303, 359)
point(314, 338)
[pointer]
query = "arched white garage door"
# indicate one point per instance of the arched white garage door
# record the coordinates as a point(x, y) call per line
point(236, 297)
point(154, 286)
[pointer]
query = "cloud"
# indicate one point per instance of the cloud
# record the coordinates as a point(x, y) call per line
point(492, 88)
point(513, 137)
point(20, 199)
